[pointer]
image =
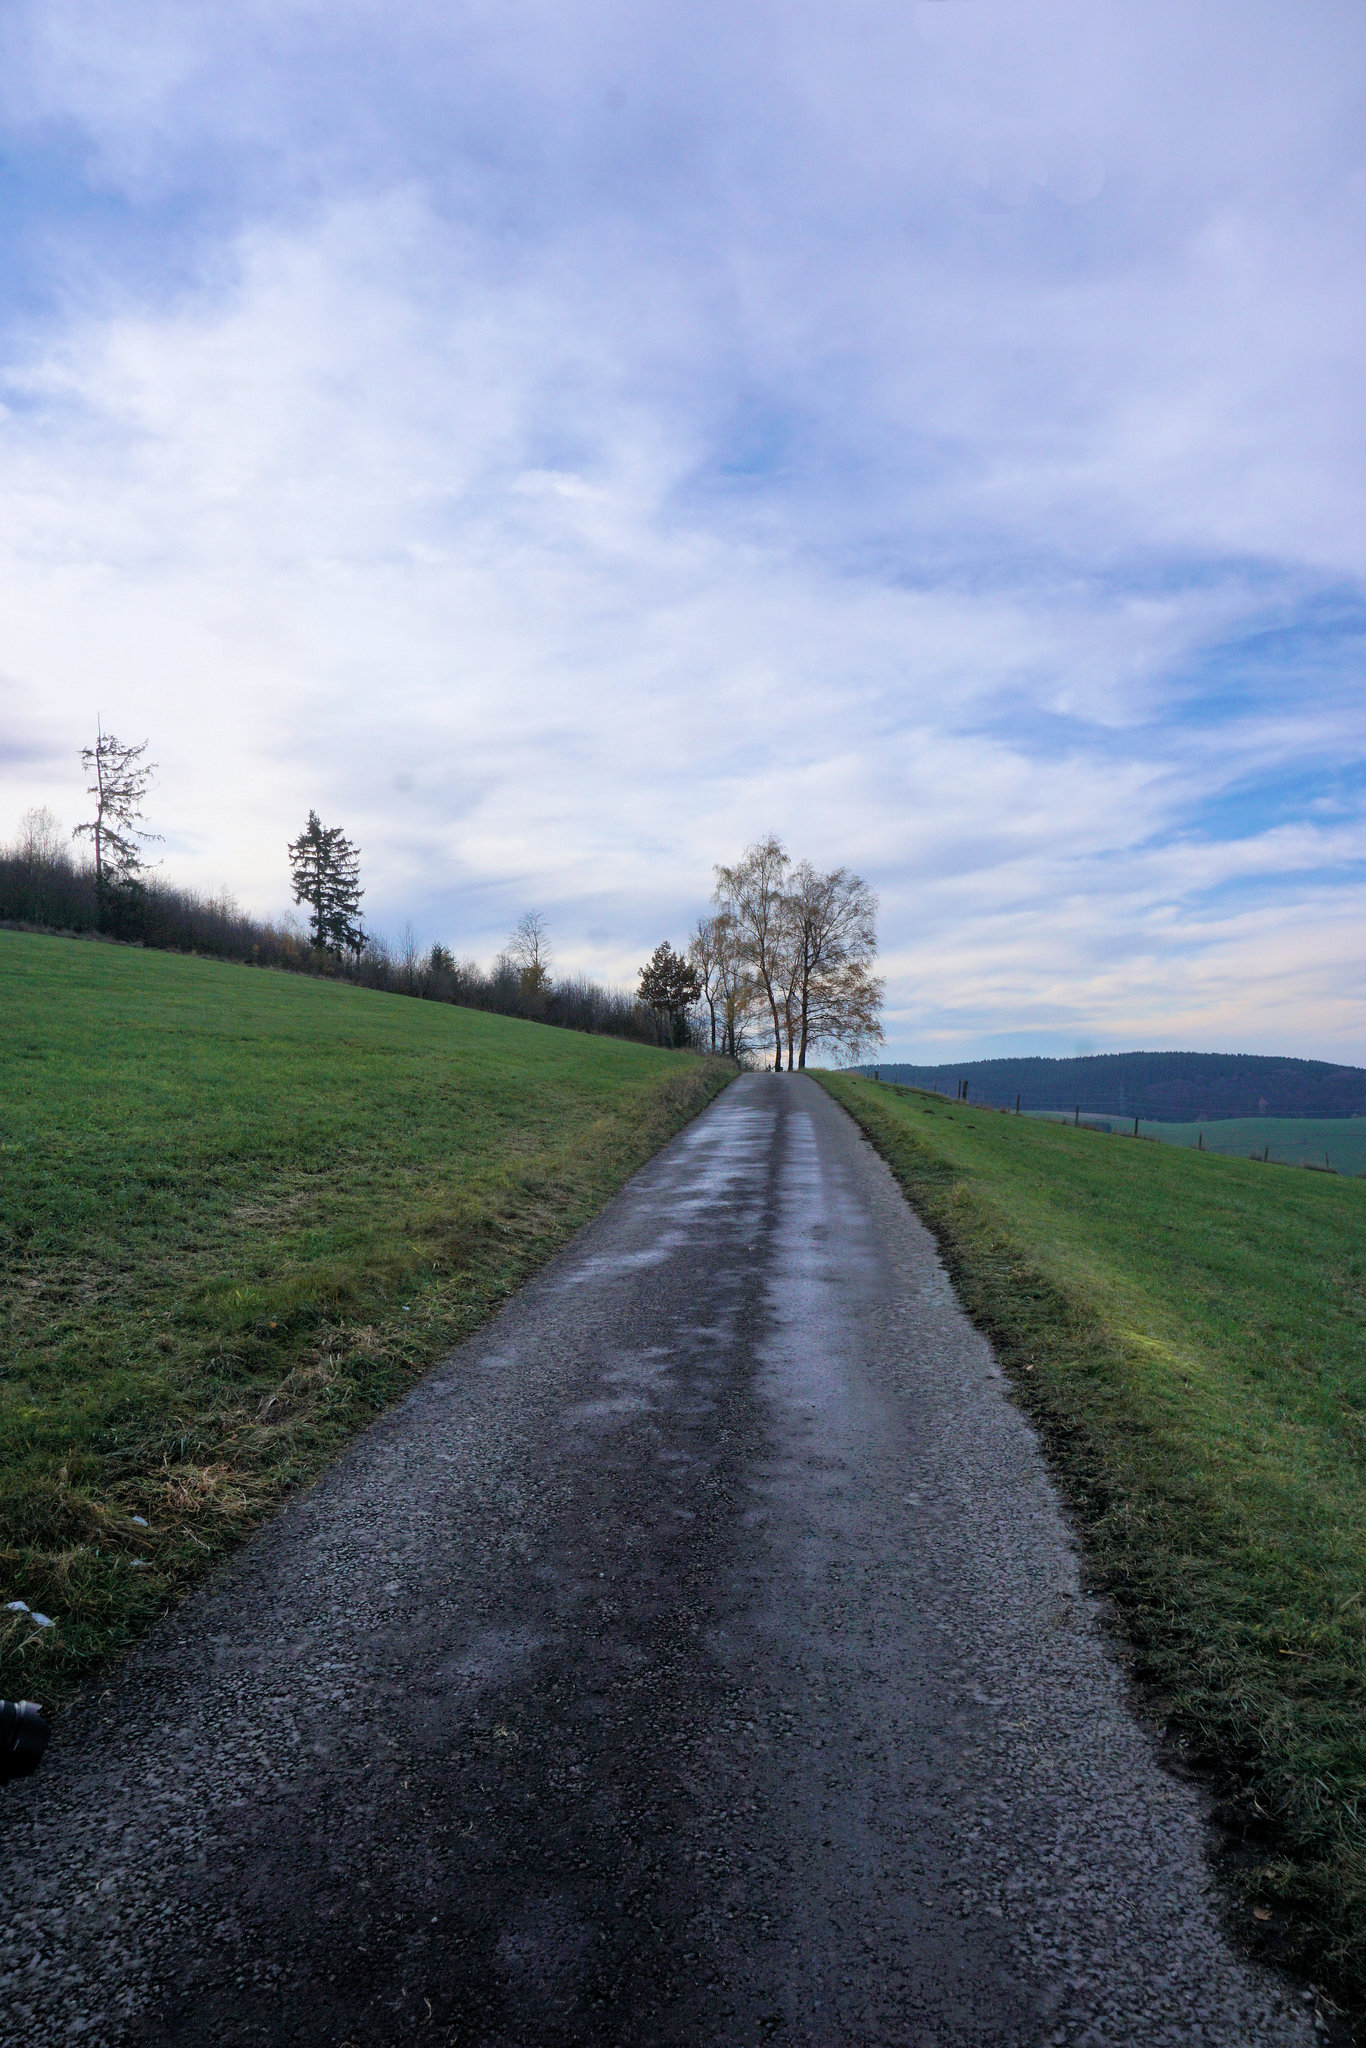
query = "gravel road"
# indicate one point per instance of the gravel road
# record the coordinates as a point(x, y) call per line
point(697, 1656)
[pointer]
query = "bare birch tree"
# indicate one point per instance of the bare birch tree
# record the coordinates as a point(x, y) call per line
point(410, 958)
point(752, 895)
point(831, 932)
point(727, 985)
point(703, 959)
point(41, 841)
point(528, 949)
point(738, 988)
point(702, 955)
point(805, 943)
point(845, 1009)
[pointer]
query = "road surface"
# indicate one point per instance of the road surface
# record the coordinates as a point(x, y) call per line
point(696, 1657)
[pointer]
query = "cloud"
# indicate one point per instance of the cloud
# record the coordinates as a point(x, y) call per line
point(561, 449)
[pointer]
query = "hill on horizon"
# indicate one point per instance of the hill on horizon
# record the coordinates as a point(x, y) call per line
point(1167, 1087)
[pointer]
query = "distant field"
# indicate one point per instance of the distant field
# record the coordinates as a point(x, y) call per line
point(240, 1212)
point(1189, 1333)
point(1169, 1087)
point(1336, 1142)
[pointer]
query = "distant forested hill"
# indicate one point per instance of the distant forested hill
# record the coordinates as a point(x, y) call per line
point(1169, 1087)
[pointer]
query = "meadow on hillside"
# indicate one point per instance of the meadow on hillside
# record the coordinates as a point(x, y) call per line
point(1188, 1331)
point(239, 1212)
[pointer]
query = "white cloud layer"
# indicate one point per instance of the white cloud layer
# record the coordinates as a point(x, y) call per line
point(561, 446)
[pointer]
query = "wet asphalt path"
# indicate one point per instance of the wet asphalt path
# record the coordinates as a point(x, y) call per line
point(697, 1656)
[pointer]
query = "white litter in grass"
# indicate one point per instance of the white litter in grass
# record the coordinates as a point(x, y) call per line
point(43, 1620)
point(134, 1563)
point(18, 1606)
point(141, 1521)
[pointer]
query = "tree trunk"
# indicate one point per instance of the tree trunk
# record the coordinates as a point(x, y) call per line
point(777, 1026)
point(99, 820)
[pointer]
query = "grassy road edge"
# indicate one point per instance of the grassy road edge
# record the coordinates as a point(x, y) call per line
point(1282, 1849)
point(242, 1460)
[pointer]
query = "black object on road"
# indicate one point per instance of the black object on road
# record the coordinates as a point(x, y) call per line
point(23, 1738)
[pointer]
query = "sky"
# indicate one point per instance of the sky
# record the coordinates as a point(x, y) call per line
point(563, 443)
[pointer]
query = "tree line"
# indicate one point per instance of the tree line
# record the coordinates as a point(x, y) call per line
point(43, 887)
point(116, 892)
point(785, 956)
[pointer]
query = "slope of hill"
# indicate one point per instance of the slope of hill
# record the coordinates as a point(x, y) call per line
point(1169, 1087)
point(239, 1212)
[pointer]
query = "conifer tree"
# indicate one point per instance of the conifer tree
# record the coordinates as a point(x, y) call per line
point(670, 985)
point(324, 869)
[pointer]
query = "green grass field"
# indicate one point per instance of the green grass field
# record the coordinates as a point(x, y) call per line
point(1189, 1334)
point(1337, 1144)
point(240, 1212)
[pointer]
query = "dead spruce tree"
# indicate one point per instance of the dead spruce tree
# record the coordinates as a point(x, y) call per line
point(119, 781)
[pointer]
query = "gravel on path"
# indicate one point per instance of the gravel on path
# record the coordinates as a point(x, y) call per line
point(697, 1656)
